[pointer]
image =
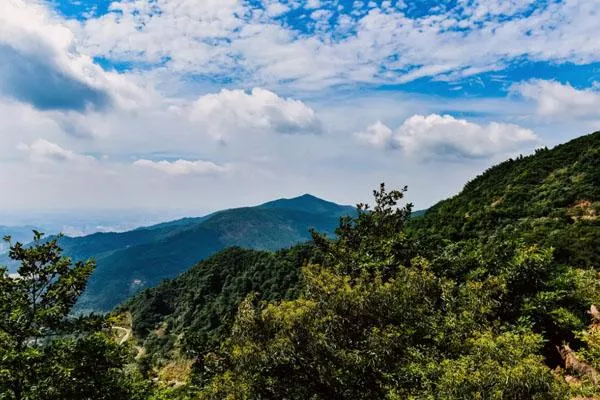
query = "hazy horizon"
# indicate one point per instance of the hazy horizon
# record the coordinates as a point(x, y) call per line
point(85, 222)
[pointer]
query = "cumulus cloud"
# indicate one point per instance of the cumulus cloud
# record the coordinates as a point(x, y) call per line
point(446, 136)
point(275, 9)
point(236, 110)
point(378, 135)
point(29, 78)
point(555, 99)
point(42, 151)
point(311, 4)
point(183, 167)
point(39, 64)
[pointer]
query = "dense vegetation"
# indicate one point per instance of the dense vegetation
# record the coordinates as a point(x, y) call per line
point(376, 319)
point(130, 261)
point(44, 354)
point(489, 295)
point(190, 315)
point(551, 198)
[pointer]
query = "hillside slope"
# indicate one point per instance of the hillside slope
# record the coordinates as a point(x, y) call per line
point(551, 198)
point(130, 261)
point(189, 315)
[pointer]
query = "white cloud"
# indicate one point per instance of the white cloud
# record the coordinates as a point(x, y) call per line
point(229, 111)
point(446, 136)
point(554, 99)
point(262, 166)
point(23, 123)
point(276, 9)
point(39, 64)
point(172, 128)
point(234, 41)
point(41, 151)
point(184, 31)
point(377, 135)
point(321, 15)
point(485, 8)
point(183, 167)
point(222, 115)
point(312, 4)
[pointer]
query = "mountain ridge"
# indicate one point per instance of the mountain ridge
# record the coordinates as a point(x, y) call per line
point(551, 197)
point(193, 313)
point(141, 258)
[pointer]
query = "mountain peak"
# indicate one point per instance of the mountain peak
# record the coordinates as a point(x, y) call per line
point(307, 196)
point(309, 203)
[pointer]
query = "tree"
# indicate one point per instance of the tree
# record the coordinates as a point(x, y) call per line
point(375, 240)
point(45, 352)
point(374, 321)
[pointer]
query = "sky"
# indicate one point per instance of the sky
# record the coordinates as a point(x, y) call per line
point(182, 107)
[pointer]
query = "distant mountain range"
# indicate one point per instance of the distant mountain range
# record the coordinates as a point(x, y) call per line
point(143, 257)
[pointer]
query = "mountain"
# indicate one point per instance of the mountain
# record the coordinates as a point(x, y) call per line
point(309, 203)
point(550, 198)
point(199, 305)
point(141, 258)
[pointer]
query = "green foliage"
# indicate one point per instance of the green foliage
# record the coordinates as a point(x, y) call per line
point(368, 326)
point(497, 367)
point(552, 297)
point(373, 237)
point(131, 261)
point(194, 313)
point(551, 199)
point(44, 353)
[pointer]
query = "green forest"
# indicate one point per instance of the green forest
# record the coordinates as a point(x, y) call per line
point(490, 294)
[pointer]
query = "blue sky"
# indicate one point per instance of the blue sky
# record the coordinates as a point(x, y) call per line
point(163, 105)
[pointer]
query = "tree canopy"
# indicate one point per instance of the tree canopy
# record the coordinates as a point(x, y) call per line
point(368, 324)
point(45, 352)
point(492, 294)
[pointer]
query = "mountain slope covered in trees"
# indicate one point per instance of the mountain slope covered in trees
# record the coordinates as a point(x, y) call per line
point(130, 261)
point(188, 316)
point(473, 299)
point(551, 198)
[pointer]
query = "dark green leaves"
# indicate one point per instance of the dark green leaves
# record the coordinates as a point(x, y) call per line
point(44, 352)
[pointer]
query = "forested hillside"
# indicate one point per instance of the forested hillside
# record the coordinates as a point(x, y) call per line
point(142, 258)
point(469, 300)
point(492, 294)
point(551, 198)
point(186, 317)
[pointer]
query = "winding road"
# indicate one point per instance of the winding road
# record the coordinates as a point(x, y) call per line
point(126, 336)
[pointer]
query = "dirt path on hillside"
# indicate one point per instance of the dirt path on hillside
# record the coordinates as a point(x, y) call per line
point(126, 336)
